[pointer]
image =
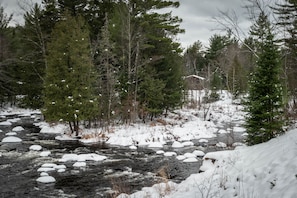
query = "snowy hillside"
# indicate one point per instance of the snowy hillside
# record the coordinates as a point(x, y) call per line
point(265, 170)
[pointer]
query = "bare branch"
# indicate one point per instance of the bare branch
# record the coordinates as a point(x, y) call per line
point(228, 21)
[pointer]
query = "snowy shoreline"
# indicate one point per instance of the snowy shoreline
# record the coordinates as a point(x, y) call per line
point(264, 170)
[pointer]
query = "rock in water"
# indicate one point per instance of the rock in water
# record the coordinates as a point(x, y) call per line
point(46, 179)
point(11, 139)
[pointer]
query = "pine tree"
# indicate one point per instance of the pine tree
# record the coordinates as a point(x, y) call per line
point(194, 61)
point(32, 54)
point(264, 106)
point(159, 31)
point(7, 81)
point(69, 81)
point(151, 95)
point(216, 49)
point(145, 46)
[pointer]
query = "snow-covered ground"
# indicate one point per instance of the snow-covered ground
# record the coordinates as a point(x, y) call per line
point(264, 170)
point(183, 125)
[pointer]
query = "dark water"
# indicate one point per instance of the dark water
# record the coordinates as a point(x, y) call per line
point(124, 170)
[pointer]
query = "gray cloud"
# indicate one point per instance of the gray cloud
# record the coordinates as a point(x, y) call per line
point(197, 16)
point(14, 7)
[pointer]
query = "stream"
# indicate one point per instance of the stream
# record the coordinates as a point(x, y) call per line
point(124, 170)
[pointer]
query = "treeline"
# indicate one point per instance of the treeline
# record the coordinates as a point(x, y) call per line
point(93, 60)
point(107, 61)
point(225, 64)
point(263, 65)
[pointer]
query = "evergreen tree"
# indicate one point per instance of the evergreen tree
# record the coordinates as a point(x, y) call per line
point(7, 66)
point(145, 43)
point(194, 61)
point(287, 22)
point(160, 29)
point(32, 61)
point(69, 81)
point(151, 95)
point(264, 106)
point(216, 49)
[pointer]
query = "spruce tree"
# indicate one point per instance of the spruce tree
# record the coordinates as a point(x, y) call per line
point(264, 106)
point(69, 81)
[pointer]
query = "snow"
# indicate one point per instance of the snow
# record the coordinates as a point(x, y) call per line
point(188, 143)
point(199, 153)
point(170, 153)
point(133, 147)
point(265, 170)
point(14, 120)
point(11, 134)
point(46, 128)
point(69, 157)
point(35, 147)
point(49, 167)
point(155, 145)
point(46, 179)
point(5, 123)
point(42, 174)
point(181, 157)
point(11, 139)
point(160, 152)
point(79, 164)
point(7, 111)
point(191, 159)
point(221, 145)
point(18, 129)
point(181, 126)
point(239, 129)
point(65, 137)
point(45, 169)
point(177, 144)
point(190, 155)
point(203, 141)
point(195, 76)
point(44, 153)
point(82, 157)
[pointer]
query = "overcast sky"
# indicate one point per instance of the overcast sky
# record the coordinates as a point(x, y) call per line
point(197, 16)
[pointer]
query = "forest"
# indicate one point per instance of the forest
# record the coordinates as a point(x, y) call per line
point(115, 61)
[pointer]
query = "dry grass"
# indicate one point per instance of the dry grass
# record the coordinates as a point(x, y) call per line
point(164, 176)
point(119, 186)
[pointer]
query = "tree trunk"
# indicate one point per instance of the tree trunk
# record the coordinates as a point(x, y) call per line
point(70, 126)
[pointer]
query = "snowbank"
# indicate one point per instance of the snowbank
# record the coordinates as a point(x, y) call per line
point(264, 170)
point(46, 128)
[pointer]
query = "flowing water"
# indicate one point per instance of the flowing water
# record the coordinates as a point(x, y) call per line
point(124, 170)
